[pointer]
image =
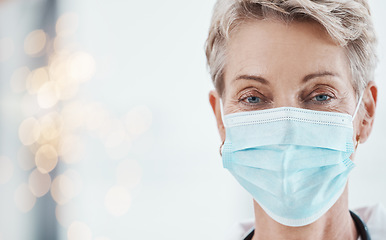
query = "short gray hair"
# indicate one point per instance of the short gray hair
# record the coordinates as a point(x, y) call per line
point(348, 22)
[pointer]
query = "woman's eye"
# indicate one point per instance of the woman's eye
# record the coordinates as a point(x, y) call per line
point(322, 98)
point(253, 99)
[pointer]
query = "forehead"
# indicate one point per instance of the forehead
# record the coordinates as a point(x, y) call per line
point(272, 47)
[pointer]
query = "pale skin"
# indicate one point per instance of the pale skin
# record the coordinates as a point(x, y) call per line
point(271, 64)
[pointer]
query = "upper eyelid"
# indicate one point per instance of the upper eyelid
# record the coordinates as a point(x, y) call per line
point(246, 95)
point(249, 91)
point(318, 91)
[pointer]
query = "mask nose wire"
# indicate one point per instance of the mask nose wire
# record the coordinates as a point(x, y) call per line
point(358, 105)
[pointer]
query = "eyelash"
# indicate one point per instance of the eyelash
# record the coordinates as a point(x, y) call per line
point(249, 94)
point(315, 94)
point(309, 99)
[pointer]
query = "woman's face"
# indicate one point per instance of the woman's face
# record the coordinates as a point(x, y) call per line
point(270, 64)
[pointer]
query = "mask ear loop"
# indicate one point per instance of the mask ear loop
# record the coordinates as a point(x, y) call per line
point(220, 150)
point(358, 137)
point(358, 106)
point(222, 112)
point(223, 122)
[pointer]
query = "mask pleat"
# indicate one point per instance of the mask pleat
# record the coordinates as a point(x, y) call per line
point(260, 178)
point(271, 158)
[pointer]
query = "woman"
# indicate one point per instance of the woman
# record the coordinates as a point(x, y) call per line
point(294, 97)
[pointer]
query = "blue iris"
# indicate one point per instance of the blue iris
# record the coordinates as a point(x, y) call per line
point(253, 100)
point(321, 98)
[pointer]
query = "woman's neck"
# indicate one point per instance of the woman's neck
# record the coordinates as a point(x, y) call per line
point(336, 224)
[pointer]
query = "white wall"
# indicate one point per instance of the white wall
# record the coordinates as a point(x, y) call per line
point(152, 53)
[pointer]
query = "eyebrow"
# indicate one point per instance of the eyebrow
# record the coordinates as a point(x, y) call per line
point(319, 74)
point(253, 77)
point(305, 79)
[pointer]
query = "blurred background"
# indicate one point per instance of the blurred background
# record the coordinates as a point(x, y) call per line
point(106, 131)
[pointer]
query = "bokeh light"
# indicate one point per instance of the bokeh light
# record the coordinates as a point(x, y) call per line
point(79, 231)
point(36, 79)
point(81, 66)
point(57, 66)
point(138, 120)
point(24, 199)
point(117, 201)
point(46, 158)
point(7, 48)
point(67, 87)
point(116, 141)
point(33, 149)
point(53, 119)
point(19, 78)
point(67, 24)
point(48, 95)
point(39, 183)
point(59, 43)
point(67, 187)
point(35, 42)
point(129, 173)
point(63, 189)
point(6, 169)
point(29, 131)
point(51, 126)
point(76, 182)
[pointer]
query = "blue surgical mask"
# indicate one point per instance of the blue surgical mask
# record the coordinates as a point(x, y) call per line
point(294, 162)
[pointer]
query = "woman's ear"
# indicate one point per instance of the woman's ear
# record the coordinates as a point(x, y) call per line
point(214, 99)
point(369, 102)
